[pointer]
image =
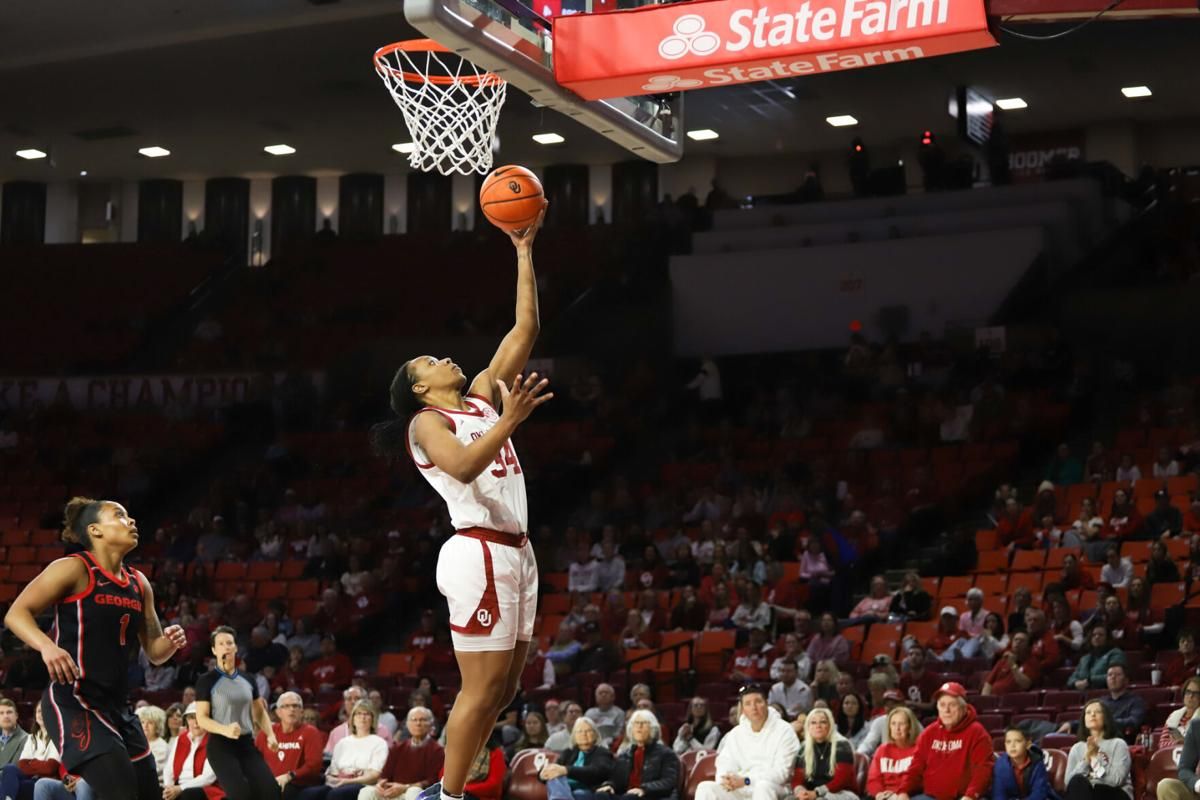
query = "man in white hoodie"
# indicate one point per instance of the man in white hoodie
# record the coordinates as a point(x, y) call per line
point(755, 759)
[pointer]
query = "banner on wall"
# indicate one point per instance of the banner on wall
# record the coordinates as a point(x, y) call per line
point(121, 392)
point(680, 46)
point(1029, 154)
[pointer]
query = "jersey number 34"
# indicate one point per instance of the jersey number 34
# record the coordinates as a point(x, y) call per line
point(504, 459)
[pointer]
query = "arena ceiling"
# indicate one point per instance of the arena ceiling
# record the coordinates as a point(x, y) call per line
point(217, 81)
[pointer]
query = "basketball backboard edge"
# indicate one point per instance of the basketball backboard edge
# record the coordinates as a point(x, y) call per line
point(497, 36)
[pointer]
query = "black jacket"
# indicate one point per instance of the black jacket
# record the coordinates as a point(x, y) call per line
point(660, 772)
point(597, 766)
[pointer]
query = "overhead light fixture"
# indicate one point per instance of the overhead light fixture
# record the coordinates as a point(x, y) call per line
point(1136, 91)
point(83, 173)
point(30, 154)
point(548, 138)
point(1012, 103)
point(404, 147)
point(154, 152)
point(704, 134)
point(841, 121)
point(280, 149)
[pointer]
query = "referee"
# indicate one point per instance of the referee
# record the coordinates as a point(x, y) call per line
point(227, 705)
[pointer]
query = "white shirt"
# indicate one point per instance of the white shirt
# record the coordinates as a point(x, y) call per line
point(35, 750)
point(610, 574)
point(765, 757)
point(794, 698)
point(359, 754)
point(496, 499)
point(1120, 577)
point(187, 779)
point(583, 577)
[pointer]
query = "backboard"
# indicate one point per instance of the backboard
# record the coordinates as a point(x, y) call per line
point(512, 40)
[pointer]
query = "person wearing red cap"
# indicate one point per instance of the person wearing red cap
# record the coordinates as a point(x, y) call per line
point(954, 755)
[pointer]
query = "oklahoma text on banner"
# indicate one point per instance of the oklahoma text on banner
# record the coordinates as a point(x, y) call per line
point(666, 48)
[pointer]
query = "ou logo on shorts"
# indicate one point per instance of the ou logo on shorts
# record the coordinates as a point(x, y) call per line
point(689, 37)
point(484, 617)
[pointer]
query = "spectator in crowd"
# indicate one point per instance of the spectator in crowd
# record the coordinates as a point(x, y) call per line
point(358, 758)
point(386, 718)
point(947, 632)
point(297, 764)
point(1127, 709)
point(1064, 469)
point(1073, 577)
point(1162, 568)
point(607, 717)
point(828, 644)
point(1187, 785)
point(1092, 670)
point(154, 722)
point(816, 572)
point(553, 709)
point(533, 735)
point(610, 568)
point(792, 651)
point(188, 773)
point(1022, 601)
point(1016, 670)
point(825, 680)
point(912, 601)
point(892, 760)
point(851, 719)
point(1175, 728)
point(581, 768)
point(790, 692)
point(1183, 663)
point(990, 641)
point(971, 621)
point(485, 778)
point(1042, 643)
point(877, 727)
point(38, 758)
point(563, 650)
point(752, 612)
point(750, 662)
point(689, 614)
point(1020, 771)
point(954, 754)
point(582, 575)
point(698, 731)
point(413, 763)
point(1145, 621)
point(1165, 520)
point(648, 769)
point(720, 612)
point(1165, 466)
point(826, 765)
point(875, 607)
point(1099, 766)
point(757, 755)
point(1127, 471)
point(561, 740)
point(1067, 631)
point(1124, 520)
point(637, 635)
point(12, 735)
point(1014, 529)
point(174, 724)
point(351, 697)
point(598, 654)
point(331, 670)
point(1117, 571)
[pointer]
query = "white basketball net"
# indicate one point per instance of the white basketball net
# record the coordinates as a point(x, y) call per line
point(450, 106)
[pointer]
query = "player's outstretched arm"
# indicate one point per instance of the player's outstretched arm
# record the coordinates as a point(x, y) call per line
point(159, 645)
point(464, 463)
point(61, 579)
point(513, 352)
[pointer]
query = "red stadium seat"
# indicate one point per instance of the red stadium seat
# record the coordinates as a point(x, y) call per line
point(990, 562)
point(687, 762)
point(991, 584)
point(1166, 595)
point(705, 769)
point(954, 586)
point(400, 663)
point(1164, 764)
point(523, 780)
point(1028, 560)
point(1056, 768)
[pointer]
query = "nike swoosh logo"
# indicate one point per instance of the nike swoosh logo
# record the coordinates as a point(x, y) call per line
point(103, 583)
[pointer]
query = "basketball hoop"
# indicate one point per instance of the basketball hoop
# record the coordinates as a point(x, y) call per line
point(450, 106)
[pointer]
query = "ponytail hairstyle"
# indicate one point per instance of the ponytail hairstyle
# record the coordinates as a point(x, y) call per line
point(389, 439)
point(79, 513)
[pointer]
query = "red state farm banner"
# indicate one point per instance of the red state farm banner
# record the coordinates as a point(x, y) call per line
point(696, 45)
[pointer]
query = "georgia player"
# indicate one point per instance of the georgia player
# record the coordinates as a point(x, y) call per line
point(487, 571)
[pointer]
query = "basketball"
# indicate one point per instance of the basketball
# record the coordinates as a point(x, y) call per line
point(511, 198)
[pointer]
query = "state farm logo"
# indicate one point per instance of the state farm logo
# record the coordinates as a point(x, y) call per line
point(689, 37)
point(670, 83)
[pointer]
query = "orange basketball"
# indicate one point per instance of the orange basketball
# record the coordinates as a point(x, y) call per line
point(511, 198)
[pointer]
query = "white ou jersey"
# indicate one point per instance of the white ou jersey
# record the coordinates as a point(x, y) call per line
point(496, 498)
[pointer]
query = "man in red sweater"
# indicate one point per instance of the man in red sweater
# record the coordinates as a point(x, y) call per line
point(331, 671)
point(954, 755)
point(413, 763)
point(297, 764)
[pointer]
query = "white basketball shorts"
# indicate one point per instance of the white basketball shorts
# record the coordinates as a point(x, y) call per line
point(490, 581)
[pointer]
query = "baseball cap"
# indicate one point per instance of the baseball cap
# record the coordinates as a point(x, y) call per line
point(881, 660)
point(190, 710)
point(591, 627)
point(950, 610)
point(951, 688)
point(894, 695)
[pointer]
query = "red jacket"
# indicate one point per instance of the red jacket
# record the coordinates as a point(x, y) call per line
point(890, 768)
point(491, 787)
point(950, 764)
point(300, 751)
point(1018, 531)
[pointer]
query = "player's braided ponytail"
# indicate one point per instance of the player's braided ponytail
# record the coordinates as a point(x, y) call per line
point(388, 439)
point(79, 513)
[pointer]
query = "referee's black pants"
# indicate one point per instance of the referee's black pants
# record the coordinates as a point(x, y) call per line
point(241, 771)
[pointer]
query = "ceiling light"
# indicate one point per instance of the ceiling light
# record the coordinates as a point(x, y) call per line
point(30, 154)
point(83, 173)
point(703, 134)
point(404, 147)
point(1136, 91)
point(1012, 103)
point(280, 149)
point(154, 152)
point(548, 138)
point(841, 121)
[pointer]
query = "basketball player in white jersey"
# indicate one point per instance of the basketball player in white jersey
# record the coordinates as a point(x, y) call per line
point(459, 437)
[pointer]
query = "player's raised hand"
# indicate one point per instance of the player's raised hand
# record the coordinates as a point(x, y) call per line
point(525, 395)
point(526, 236)
point(60, 665)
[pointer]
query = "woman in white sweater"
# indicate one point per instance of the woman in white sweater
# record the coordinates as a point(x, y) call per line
point(358, 760)
point(1099, 766)
point(154, 725)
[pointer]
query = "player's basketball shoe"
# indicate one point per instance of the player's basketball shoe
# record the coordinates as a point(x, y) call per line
point(431, 792)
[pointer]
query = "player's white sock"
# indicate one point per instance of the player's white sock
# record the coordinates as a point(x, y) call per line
point(447, 796)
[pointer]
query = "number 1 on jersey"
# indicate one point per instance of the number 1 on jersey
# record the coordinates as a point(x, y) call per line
point(124, 626)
